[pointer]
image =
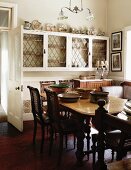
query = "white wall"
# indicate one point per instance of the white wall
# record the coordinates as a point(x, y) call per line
point(119, 16)
point(110, 15)
point(46, 11)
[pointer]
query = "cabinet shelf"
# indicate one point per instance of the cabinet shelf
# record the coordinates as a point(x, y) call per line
point(32, 54)
point(56, 46)
point(79, 48)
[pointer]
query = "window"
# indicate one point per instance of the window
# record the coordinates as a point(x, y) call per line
point(8, 16)
point(128, 54)
point(5, 18)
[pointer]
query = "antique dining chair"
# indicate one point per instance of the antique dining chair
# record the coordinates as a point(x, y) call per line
point(113, 90)
point(114, 140)
point(59, 123)
point(39, 115)
point(103, 121)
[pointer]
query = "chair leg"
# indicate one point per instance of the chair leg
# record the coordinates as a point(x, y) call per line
point(51, 139)
point(43, 136)
point(66, 139)
point(94, 147)
point(60, 149)
point(35, 130)
point(88, 144)
point(88, 141)
point(119, 154)
point(94, 153)
point(74, 141)
point(112, 155)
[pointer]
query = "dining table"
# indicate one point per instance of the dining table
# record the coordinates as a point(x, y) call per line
point(84, 111)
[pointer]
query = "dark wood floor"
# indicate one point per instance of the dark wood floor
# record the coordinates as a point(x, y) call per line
point(18, 153)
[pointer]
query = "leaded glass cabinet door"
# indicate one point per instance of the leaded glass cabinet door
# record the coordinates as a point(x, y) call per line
point(57, 51)
point(80, 52)
point(99, 51)
point(33, 50)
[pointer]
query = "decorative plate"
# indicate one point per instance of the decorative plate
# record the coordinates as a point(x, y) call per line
point(36, 25)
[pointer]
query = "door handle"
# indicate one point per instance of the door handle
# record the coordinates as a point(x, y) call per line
point(17, 88)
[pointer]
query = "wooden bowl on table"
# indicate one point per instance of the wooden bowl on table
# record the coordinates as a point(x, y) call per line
point(96, 95)
point(59, 88)
point(83, 92)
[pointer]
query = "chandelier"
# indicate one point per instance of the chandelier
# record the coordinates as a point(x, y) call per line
point(76, 10)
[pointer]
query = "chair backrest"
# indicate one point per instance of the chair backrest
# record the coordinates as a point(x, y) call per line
point(52, 105)
point(113, 90)
point(35, 103)
point(45, 84)
point(103, 120)
point(127, 92)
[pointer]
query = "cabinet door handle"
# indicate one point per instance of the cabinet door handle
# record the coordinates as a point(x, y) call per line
point(17, 88)
point(44, 51)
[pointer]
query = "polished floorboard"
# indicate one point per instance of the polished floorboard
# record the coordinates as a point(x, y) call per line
point(18, 153)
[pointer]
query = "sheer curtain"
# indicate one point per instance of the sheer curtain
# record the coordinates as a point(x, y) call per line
point(128, 55)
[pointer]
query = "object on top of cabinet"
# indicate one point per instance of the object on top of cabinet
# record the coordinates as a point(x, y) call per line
point(50, 27)
point(36, 25)
point(27, 25)
point(62, 27)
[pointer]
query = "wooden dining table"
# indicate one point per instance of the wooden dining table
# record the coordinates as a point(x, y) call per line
point(84, 111)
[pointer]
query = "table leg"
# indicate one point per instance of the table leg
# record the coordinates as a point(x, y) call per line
point(80, 145)
point(87, 130)
point(83, 127)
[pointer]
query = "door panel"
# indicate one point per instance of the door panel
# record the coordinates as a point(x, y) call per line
point(15, 102)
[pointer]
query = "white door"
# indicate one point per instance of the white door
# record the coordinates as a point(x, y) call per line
point(15, 102)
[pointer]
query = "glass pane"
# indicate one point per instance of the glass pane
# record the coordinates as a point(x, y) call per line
point(98, 51)
point(32, 50)
point(56, 51)
point(5, 17)
point(80, 48)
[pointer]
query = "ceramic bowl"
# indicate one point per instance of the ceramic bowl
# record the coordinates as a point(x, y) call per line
point(59, 88)
point(96, 95)
point(83, 92)
point(69, 97)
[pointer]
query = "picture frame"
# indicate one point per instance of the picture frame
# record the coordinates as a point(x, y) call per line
point(116, 62)
point(116, 41)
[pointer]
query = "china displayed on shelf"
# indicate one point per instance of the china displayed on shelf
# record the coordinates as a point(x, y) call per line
point(27, 25)
point(50, 27)
point(62, 27)
point(36, 25)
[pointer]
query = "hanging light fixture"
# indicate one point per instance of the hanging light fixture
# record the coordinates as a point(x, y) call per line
point(76, 10)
